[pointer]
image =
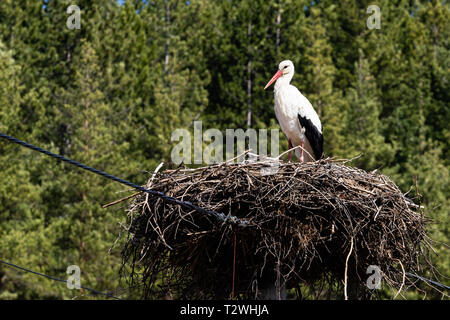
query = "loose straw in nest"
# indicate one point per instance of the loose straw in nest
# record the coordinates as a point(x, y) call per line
point(318, 222)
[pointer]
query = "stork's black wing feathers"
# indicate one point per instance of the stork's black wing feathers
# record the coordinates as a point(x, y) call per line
point(314, 136)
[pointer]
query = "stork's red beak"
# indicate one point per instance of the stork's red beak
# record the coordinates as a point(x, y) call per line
point(274, 78)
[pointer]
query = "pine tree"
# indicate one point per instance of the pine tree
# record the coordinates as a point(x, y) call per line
point(94, 139)
point(19, 195)
point(318, 80)
point(435, 17)
point(363, 126)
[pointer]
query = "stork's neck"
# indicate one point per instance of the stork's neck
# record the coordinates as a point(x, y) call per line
point(283, 81)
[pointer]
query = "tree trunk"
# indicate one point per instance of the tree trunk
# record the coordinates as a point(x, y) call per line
point(166, 48)
point(278, 22)
point(271, 286)
point(249, 78)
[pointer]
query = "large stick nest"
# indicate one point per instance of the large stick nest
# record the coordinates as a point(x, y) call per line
point(318, 222)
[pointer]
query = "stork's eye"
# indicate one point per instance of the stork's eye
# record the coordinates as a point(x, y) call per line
point(285, 67)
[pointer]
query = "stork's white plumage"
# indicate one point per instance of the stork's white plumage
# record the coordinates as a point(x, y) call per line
point(295, 114)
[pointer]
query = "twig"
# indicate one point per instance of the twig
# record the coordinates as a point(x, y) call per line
point(121, 200)
point(403, 280)
point(238, 156)
point(345, 272)
point(134, 194)
point(297, 147)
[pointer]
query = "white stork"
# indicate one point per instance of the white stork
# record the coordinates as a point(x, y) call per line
point(295, 114)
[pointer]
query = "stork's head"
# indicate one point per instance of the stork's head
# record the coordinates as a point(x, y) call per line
point(285, 71)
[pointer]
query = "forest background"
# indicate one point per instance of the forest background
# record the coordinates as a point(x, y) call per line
point(111, 93)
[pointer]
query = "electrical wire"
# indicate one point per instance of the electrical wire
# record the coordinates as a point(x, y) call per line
point(56, 279)
point(219, 216)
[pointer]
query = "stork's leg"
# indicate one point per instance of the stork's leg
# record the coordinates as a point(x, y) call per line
point(301, 156)
point(290, 153)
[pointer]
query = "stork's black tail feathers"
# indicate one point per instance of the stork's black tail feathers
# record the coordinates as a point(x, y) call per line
point(313, 135)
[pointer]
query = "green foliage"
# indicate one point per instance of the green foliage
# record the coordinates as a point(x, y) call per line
point(111, 94)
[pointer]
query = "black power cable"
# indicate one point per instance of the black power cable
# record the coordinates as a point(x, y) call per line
point(219, 216)
point(56, 279)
